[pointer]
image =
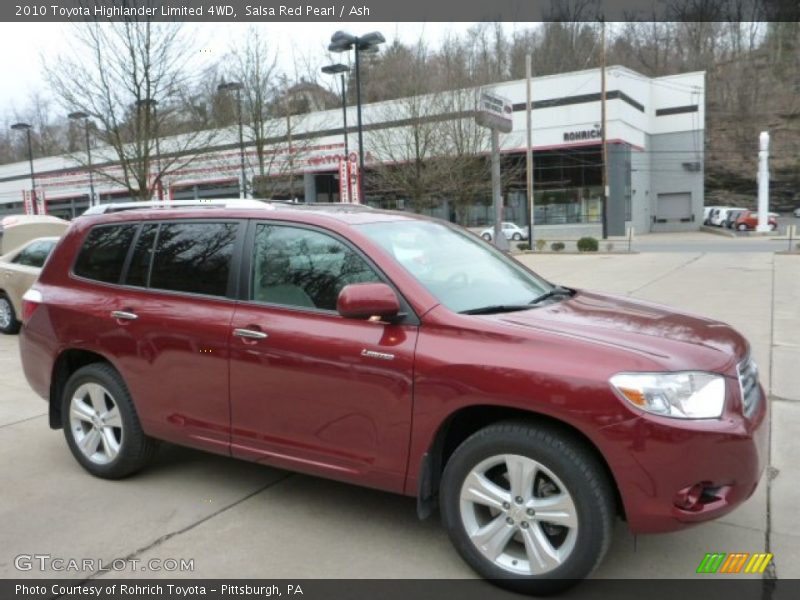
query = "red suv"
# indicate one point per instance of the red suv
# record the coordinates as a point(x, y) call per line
point(401, 353)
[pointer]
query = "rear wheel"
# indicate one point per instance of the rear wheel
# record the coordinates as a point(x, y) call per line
point(100, 423)
point(8, 318)
point(516, 237)
point(527, 508)
point(487, 237)
point(742, 227)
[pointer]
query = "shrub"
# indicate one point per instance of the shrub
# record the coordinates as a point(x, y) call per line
point(557, 246)
point(587, 244)
point(540, 244)
point(523, 246)
point(610, 247)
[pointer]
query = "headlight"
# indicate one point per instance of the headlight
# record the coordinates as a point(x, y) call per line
point(685, 395)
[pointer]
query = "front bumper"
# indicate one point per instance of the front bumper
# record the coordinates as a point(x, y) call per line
point(657, 460)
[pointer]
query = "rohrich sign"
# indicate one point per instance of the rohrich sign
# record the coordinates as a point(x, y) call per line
point(583, 135)
point(494, 112)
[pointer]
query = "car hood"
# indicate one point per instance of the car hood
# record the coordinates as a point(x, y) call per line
point(676, 340)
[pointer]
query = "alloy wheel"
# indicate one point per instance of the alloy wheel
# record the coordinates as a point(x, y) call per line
point(518, 514)
point(5, 313)
point(96, 423)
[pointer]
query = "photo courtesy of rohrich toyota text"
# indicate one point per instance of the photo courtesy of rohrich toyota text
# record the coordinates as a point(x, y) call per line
point(438, 300)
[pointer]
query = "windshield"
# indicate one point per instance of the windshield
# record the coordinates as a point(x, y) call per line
point(460, 270)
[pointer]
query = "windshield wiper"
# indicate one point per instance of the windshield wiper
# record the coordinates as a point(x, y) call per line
point(556, 291)
point(495, 308)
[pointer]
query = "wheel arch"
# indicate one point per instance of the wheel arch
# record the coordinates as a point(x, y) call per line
point(67, 362)
point(466, 421)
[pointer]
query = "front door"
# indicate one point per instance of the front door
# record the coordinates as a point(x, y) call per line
point(311, 390)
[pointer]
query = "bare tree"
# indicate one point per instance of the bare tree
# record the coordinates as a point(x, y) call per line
point(132, 78)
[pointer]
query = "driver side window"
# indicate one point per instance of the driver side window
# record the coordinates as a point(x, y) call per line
point(293, 266)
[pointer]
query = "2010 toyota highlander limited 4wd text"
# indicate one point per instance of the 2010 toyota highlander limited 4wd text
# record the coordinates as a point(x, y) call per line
point(400, 353)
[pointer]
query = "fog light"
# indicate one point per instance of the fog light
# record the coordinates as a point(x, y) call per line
point(689, 498)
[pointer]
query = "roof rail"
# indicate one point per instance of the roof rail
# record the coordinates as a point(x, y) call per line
point(113, 207)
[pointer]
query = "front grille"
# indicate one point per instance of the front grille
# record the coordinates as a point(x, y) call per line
point(748, 384)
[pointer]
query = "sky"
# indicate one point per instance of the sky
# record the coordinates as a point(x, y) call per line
point(23, 46)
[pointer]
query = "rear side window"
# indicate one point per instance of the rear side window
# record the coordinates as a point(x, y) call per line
point(193, 257)
point(104, 252)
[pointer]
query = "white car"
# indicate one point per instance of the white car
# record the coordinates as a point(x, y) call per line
point(512, 231)
point(720, 214)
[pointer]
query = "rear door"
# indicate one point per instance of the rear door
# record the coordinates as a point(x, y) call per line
point(156, 299)
point(311, 390)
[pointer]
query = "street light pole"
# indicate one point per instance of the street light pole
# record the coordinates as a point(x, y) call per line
point(26, 127)
point(344, 185)
point(343, 42)
point(80, 115)
point(235, 86)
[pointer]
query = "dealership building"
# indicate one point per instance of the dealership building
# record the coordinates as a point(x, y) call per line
point(655, 147)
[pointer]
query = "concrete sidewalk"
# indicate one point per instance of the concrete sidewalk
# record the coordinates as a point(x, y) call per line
point(237, 519)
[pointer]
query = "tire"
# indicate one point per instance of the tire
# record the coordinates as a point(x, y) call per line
point(742, 227)
point(516, 237)
point(772, 226)
point(119, 450)
point(487, 237)
point(564, 466)
point(8, 318)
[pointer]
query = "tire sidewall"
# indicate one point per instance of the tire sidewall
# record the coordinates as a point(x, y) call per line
point(593, 519)
point(13, 326)
point(106, 377)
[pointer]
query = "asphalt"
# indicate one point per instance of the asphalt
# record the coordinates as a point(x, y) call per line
point(236, 519)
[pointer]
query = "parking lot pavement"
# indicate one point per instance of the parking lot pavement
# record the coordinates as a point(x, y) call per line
point(240, 519)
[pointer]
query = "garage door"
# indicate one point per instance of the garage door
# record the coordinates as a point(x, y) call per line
point(674, 207)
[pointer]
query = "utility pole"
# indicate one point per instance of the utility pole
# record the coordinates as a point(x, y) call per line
point(604, 150)
point(763, 182)
point(529, 149)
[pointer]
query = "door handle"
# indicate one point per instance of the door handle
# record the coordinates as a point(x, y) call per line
point(250, 334)
point(124, 315)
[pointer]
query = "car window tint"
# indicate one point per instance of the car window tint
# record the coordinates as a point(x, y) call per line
point(104, 252)
point(193, 257)
point(142, 253)
point(35, 254)
point(303, 268)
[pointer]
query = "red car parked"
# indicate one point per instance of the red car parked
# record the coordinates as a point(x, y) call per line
point(748, 220)
point(400, 353)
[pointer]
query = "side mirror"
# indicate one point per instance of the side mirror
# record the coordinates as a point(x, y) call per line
point(367, 300)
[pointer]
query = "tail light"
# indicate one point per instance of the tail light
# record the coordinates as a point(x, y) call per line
point(30, 302)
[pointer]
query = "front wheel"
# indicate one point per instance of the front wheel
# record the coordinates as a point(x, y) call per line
point(742, 227)
point(527, 508)
point(487, 237)
point(516, 237)
point(100, 423)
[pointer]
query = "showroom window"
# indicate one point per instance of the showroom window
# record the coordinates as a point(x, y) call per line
point(304, 268)
point(193, 257)
point(104, 252)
